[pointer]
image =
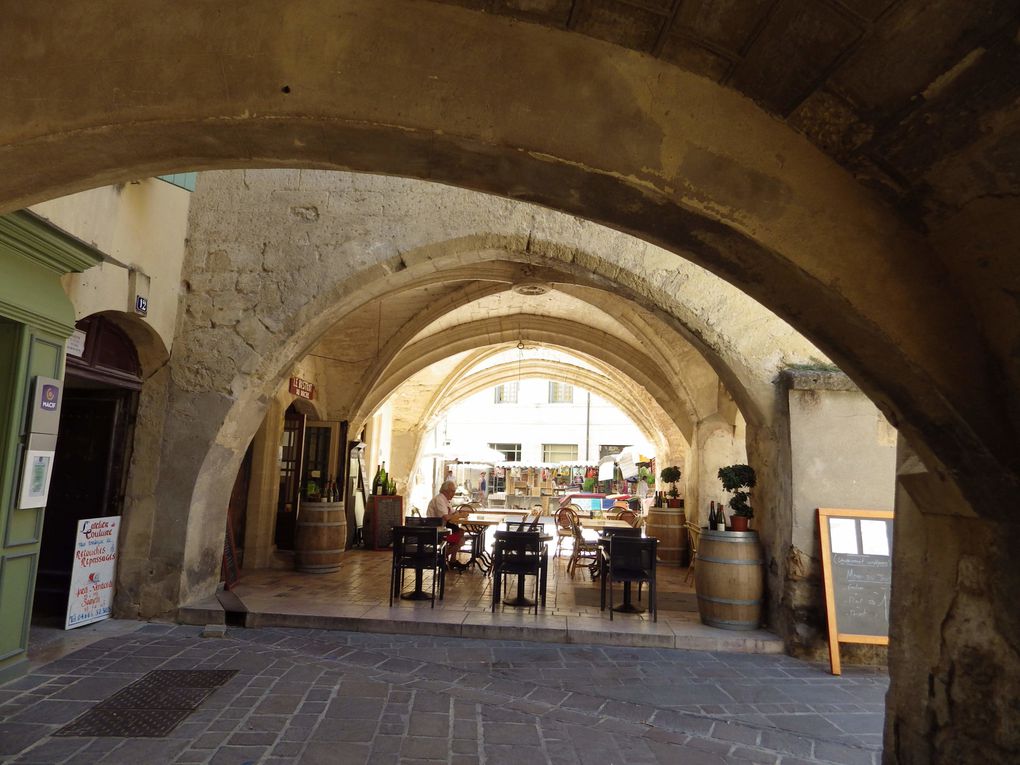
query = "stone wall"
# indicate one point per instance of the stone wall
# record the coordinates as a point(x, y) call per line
point(953, 632)
point(268, 280)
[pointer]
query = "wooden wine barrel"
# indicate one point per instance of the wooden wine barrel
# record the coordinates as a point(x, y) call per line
point(729, 579)
point(320, 537)
point(667, 525)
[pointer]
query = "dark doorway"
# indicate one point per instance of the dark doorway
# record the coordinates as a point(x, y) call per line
point(290, 477)
point(93, 450)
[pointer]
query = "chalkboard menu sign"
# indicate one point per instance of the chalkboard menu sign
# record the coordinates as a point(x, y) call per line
point(857, 571)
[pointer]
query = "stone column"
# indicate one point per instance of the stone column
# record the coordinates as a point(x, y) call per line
point(954, 621)
point(264, 489)
point(842, 454)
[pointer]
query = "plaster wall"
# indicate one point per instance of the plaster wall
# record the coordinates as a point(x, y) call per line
point(720, 444)
point(843, 454)
point(140, 227)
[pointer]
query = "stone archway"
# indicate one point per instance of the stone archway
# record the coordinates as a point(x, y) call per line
point(637, 144)
point(264, 296)
point(694, 167)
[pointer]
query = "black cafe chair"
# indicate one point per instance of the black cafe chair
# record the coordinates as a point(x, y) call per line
point(522, 553)
point(420, 549)
point(632, 559)
point(600, 562)
point(526, 526)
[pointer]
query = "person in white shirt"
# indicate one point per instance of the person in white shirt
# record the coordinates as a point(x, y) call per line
point(441, 507)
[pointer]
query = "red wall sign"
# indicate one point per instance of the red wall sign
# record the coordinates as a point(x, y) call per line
point(302, 388)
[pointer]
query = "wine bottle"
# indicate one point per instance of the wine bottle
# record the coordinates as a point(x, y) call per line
point(377, 483)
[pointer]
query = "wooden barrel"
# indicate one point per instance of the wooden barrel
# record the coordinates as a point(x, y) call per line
point(729, 579)
point(667, 525)
point(320, 537)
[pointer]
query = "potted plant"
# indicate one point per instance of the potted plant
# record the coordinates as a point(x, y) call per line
point(671, 475)
point(737, 479)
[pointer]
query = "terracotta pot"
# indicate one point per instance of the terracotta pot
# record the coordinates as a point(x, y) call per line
point(739, 522)
point(674, 502)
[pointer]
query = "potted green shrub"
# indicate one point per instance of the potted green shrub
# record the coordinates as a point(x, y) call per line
point(671, 475)
point(738, 479)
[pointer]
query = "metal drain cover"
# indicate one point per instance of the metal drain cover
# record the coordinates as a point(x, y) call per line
point(156, 697)
point(126, 723)
point(150, 707)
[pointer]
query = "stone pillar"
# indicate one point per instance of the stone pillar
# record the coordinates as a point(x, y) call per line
point(141, 508)
point(264, 489)
point(404, 447)
point(953, 649)
point(842, 454)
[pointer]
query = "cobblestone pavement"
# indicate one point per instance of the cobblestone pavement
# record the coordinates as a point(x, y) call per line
point(317, 696)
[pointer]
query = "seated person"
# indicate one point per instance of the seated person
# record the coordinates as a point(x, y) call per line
point(441, 507)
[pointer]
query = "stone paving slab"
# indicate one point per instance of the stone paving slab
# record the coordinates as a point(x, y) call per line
point(309, 696)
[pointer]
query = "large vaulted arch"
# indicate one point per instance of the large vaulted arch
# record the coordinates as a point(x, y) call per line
point(686, 170)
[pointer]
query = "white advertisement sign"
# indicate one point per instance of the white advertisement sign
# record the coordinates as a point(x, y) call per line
point(95, 561)
point(35, 482)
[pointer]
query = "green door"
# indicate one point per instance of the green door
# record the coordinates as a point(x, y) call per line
point(25, 353)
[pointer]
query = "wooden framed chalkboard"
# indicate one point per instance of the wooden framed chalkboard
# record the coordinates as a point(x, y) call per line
point(857, 573)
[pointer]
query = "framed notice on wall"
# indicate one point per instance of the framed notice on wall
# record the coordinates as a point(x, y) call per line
point(92, 572)
point(35, 481)
point(857, 572)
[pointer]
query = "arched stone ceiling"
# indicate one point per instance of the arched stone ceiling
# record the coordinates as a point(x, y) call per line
point(625, 139)
point(555, 303)
point(408, 319)
point(417, 403)
point(902, 93)
point(622, 393)
point(548, 331)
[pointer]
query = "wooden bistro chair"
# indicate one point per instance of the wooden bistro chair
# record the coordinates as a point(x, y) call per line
point(420, 549)
point(693, 537)
point(632, 559)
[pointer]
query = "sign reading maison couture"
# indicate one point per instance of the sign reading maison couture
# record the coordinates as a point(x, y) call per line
point(95, 562)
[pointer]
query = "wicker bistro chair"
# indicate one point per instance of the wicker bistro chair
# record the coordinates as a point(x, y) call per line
point(629, 516)
point(564, 528)
point(693, 536)
point(632, 559)
point(420, 549)
point(584, 547)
